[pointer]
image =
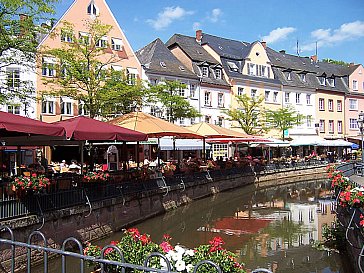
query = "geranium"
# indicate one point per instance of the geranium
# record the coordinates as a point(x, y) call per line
point(96, 176)
point(352, 197)
point(34, 182)
point(169, 167)
point(136, 247)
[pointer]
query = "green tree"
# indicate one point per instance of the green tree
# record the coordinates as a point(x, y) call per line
point(170, 95)
point(250, 114)
point(339, 62)
point(19, 33)
point(86, 72)
point(284, 119)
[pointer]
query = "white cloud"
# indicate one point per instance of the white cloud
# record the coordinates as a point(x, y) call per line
point(215, 15)
point(328, 37)
point(278, 34)
point(196, 26)
point(167, 16)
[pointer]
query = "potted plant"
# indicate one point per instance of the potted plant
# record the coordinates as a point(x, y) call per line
point(22, 185)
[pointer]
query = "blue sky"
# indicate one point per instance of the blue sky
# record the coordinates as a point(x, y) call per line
point(336, 25)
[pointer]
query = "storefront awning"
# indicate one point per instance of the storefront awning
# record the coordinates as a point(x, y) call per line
point(166, 144)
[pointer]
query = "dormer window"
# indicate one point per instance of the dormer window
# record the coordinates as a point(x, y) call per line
point(233, 67)
point(331, 81)
point(322, 80)
point(205, 71)
point(92, 9)
point(163, 64)
point(181, 68)
point(288, 75)
point(303, 77)
point(218, 73)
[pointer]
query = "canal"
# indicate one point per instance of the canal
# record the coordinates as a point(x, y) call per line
point(273, 228)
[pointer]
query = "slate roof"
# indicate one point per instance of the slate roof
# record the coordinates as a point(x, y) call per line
point(227, 48)
point(156, 58)
point(282, 62)
point(199, 57)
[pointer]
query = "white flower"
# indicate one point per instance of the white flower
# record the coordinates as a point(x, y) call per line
point(190, 252)
point(179, 249)
point(189, 268)
point(180, 265)
point(176, 256)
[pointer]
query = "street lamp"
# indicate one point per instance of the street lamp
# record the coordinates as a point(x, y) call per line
point(361, 128)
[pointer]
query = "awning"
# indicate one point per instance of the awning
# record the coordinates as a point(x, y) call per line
point(273, 142)
point(182, 144)
point(339, 143)
point(309, 140)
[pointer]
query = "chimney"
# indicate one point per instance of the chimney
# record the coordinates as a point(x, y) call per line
point(313, 58)
point(351, 64)
point(198, 36)
point(264, 44)
point(282, 51)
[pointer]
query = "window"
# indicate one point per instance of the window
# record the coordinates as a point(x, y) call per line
point(192, 90)
point(286, 97)
point(48, 67)
point(308, 99)
point(181, 121)
point(275, 96)
point(340, 126)
point(251, 69)
point(82, 109)
point(266, 95)
point(220, 100)
point(240, 91)
point(253, 93)
point(353, 104)
point(131, 74)
point(303, 77)
point(66, 106)
point(193, 121)
point(92, 9)
point(220, 121)
point(66, 36)
point(322, 80)
point(84, 38)
point(207, 119)
point(14, 109)
point(309, 121)
point(322, 104)
point(331, 105)
point(207, 99)
point(355, 85)
point(298, 98)
point(13, 78)
point(163, 64)
point(218, 73)
point(116, 44)
point(102, 42)
point(331, 82)
point(48, 107)
point(205, 71)
point(331, 126)
point(233, 67)
point(322, 126)
point(182, 91)
point(339, 106)
point(288, 75)
point(353, 123)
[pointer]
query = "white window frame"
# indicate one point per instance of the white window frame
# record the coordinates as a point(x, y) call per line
point(308, 121)
point(353, 104)
point(192, 90)
point(251, 69)
point(48, 67)
point(240, 91)
point(322, 126)
point(102, 42)
point(266, 95)
point(308, 99)
point(132, 75)
point(286, 97)
point(207, 119)
point(13, 109)
point(49, 106)
point(13, 78)
point(253, 93)
point(207, 98)
point(288, 75)
point(339, 105)
point(355, 85)
point(204, 71)
point(330, 105)
point(275, 96)
point(220, 99)
point(298, 98)
point(322, 80)
point(353, 123)
point(116, 44)
point(331, 126)
point(66, 105)
point(218, 73)
point(331, 82)
point(92, 9)
point(321, 104)
point(339, 126)
point(66, 36)
point(303, 77)
point(84, 38)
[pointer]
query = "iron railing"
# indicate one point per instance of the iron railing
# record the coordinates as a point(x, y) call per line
point(69, 190)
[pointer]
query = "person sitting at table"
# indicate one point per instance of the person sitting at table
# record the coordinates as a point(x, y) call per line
point(74, 167)
point(36, 167)
point(63, 167)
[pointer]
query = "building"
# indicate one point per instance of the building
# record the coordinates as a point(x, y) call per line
point(247, 68)
point(115, 45)
point(158, 65)
point(213, 94)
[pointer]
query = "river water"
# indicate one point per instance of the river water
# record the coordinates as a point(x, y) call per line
point(273, 228)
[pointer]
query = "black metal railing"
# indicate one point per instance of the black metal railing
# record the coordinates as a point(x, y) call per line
point(69, 190)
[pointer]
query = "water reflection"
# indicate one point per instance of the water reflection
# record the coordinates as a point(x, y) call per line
point(272, 228)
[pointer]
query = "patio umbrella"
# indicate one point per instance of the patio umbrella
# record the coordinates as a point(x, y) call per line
point(84, 128)
point(14, 125)
point(209, 130)
point(153, 126)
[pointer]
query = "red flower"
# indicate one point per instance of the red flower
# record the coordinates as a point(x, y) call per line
point(145, 239)
point(216, 244)
point(166, 246)
point(134, 232)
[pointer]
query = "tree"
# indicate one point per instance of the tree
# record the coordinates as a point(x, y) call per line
point(19, 33)
point(19, 27)
point(170, 95)
point(284, 119)
point(85, 74)
point(339, 62)
point(250, 114)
